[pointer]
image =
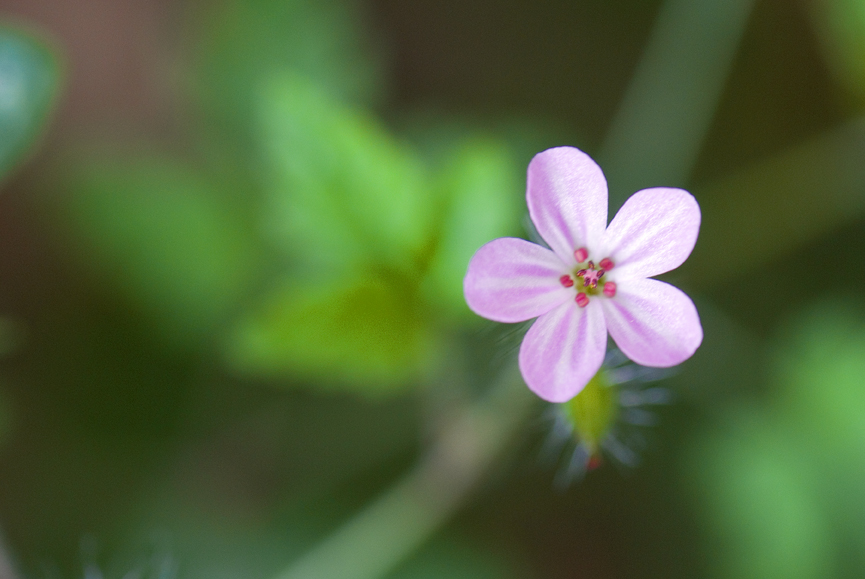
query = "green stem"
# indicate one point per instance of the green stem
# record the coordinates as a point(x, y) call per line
point(386, 532)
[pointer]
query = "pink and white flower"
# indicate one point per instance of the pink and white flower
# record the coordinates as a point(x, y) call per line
point(594, 278)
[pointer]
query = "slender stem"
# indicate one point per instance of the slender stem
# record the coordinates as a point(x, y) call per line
point(668, 107)
point(392, 527)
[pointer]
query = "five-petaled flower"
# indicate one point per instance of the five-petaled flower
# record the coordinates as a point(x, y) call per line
point(593, 279)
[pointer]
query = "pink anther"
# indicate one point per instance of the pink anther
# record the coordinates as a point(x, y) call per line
point(582, 300)
point(566, 281)
point(610, 289)
point(581, 255)
point(607, 264)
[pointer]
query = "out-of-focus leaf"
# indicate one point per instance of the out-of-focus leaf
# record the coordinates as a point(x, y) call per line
point(841, 28)
point(242, 42)
point(342, 190)
point(822, 371)
point(481, 189)
point(765, 518)
point(367, 332)
point(165, 238)
point(29, 76)
point(783, 483)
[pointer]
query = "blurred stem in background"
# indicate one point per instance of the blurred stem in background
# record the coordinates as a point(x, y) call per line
point(667, 109)
point(381, 536)
point(669, 104)
point(791, 214)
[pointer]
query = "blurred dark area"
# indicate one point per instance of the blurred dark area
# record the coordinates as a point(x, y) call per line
point(166, 393)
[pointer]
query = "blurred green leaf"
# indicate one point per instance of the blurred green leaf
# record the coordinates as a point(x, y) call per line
point(349, 202)
point(29, 77)
point(481, 188)
point(821, 369)
point(365, 331)
point(766, 519)
point(783, 483)
point(841, 28)
point(165, 238)
point(342, 190)
point(242, 42)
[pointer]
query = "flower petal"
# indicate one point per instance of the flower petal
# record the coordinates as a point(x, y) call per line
point(512, 280)
point(563, 350)
point(653, 232)
point(653, 323)
point(567, 199)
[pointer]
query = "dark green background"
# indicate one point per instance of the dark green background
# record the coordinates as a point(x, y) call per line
point(170, 388)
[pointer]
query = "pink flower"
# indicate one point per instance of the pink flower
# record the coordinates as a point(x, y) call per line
point(593, 280)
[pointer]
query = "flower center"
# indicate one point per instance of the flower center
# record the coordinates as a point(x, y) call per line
point(587, 280)
point(590, 275)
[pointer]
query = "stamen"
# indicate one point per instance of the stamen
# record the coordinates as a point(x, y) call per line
point(582, 300)
point(581, 254)
point(590, 276)
point(610, 289)
point(566, 281)
point(594, 462)
point(607, 264)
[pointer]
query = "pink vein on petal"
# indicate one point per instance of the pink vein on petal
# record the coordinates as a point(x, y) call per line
point(563, 350)
point(653, 323)
point(567, 198)
point(654, 232)
point(512, 280)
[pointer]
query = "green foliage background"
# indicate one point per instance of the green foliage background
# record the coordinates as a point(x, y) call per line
point(225, 333)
